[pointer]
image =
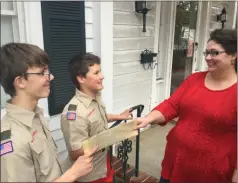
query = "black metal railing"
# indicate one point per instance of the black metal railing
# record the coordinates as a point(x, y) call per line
point(126, 147)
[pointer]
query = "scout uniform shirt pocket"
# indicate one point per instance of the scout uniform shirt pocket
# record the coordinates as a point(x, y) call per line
point(41, 154)
point(51, 138)
point(96, 125)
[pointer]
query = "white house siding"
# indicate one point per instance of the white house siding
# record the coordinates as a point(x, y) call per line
point(55, 120)
point(131, 83)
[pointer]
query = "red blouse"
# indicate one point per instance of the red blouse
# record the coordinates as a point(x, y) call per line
point(202, 147)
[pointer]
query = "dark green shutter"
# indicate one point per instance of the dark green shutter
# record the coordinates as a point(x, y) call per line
point(64, 37)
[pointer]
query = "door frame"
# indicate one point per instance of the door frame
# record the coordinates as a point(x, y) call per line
point(154, 91)
point(196, 39)
point(170, 52)
point(164, 50)
point(168, 74)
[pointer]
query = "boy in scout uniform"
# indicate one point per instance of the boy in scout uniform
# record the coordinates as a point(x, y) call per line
point(85, 116)
point(28, 152)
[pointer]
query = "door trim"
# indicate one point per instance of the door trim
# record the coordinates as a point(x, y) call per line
point(166, 49)
point(156, 50)
point(168, 73)
point(196, 39)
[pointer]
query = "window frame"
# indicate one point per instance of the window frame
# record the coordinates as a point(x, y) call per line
point(17, 29)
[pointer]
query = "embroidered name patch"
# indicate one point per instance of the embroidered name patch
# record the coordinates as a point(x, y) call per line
point(6, 148)
point(71, 115)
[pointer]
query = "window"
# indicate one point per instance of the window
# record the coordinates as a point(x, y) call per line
point(9, 33)
point(64, 37)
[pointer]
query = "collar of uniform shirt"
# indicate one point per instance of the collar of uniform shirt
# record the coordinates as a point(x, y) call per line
point(22, 115)
point(86, 100)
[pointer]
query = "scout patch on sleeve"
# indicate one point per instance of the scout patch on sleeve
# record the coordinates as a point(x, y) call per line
point(72, 107)
point(5, 135)
point(71, 115)
point(6, 147)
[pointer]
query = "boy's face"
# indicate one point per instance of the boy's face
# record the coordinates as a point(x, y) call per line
point(93, 79)
point(37, 84)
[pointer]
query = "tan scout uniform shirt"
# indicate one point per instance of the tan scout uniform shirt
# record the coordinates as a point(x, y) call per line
point(34, 156)
point(90, 120)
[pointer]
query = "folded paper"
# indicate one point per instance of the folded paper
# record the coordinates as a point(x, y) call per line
point(111, 136)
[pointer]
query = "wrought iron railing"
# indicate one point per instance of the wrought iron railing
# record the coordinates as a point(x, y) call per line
point(126, 147)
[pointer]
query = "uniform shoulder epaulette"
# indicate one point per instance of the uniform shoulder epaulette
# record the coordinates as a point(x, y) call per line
point(6, 135)
point(72, 107)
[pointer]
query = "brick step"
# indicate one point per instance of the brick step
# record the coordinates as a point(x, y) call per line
point(143, 177)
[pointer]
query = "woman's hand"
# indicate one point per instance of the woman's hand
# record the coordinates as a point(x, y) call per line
point(141, 122)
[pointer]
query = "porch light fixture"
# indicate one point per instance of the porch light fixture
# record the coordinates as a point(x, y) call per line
point(147, 57)
point(141, 7)
point(222, 17)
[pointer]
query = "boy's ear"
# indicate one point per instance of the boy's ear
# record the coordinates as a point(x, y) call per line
point(80, 79)
point(19, 82)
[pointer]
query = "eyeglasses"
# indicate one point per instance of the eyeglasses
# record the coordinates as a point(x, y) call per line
point(44, 73)
point(212, 53)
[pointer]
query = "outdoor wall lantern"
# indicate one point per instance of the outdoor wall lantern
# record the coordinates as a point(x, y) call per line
point(147, 57)
point(222, 17)
point(141, 7)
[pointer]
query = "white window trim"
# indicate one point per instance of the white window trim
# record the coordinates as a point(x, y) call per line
point(15, 24)
point(19, 6)
point(8, 12)
point(30, 25)
point(33, 27)
point(14, 14)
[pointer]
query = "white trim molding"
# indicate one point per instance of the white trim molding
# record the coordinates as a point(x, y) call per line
point(103, 47)
point(34, 35)
point(197, 38)
point(169, 57)
point(235, 15)
point(154, 91)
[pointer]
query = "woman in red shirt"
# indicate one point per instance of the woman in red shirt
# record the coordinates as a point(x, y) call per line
point(202, 147)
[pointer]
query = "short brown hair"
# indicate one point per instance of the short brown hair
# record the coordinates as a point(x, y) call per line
point(79, 66)
point(16, 58)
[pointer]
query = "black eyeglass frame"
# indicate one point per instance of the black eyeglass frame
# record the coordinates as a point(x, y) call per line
point(43, 73)
point(212, 53)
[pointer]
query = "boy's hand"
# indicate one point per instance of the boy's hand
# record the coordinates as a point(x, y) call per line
point(127, 114)
point(83, 165)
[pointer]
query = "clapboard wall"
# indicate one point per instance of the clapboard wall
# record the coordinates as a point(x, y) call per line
point(131, 83)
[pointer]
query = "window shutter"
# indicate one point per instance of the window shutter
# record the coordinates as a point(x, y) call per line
point(64, 37)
